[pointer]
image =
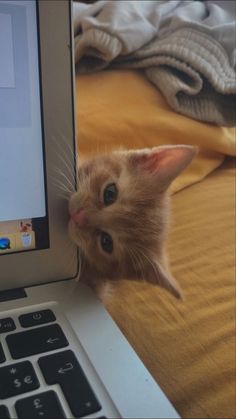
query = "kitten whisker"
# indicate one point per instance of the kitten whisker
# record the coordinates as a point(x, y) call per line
point(61, 186)
point(132, 260)
point(64, 197)
point(139, 263)
point(53, 174)
point(71, 262)
point(62, 138)
point(68, 145)
point(63, 153)
point(71, 151)
point(142, 269)
point(65, 177)
point(70, 167)
point(79, 265)
point(62, 191)
point(148, 259)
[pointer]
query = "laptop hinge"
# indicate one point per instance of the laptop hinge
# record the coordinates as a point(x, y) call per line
point(13, 294)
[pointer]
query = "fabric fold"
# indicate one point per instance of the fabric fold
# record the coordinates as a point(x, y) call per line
point(186, 49)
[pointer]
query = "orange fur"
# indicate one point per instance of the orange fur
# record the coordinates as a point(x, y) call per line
point(137, 221)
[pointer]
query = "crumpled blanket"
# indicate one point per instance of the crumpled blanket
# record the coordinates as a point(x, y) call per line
point(186, 48)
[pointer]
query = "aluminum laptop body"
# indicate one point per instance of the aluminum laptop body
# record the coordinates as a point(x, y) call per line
point(61, 354)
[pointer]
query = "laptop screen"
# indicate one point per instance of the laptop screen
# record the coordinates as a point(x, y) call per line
point(23, 206)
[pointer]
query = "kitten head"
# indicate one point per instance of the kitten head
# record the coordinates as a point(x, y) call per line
point(119, 214)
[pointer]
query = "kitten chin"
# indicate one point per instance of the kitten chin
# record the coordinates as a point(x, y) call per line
point(120, 213)
point(103, 289)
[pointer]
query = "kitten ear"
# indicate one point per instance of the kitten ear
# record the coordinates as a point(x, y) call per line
point(160, 275)
point(165, 162)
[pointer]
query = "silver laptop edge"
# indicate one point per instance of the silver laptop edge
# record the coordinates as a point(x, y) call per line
point(41, 279)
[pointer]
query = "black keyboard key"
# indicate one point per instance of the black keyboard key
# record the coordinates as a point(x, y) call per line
point(36, 318)
point(17, 379)
point(2, 356)
point(44, 405)
point(63, 369)
point(7, 325)
point(4, 413)
point(36, 341)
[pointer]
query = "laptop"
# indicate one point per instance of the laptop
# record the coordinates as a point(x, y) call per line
point(61, 354)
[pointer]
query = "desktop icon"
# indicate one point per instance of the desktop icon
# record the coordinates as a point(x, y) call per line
point(5, 243)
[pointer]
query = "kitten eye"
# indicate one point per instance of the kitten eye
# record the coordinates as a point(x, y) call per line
point(110, 194)
point(106, 242)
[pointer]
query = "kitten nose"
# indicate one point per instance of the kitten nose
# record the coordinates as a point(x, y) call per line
point(80, 218)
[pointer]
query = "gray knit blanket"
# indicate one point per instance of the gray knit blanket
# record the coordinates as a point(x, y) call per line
point(187, 49)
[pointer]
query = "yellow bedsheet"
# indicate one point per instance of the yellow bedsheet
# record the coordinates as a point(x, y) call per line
point(123, 109)
point(189, 346)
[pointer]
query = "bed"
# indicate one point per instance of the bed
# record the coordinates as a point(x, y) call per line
point(189, 346)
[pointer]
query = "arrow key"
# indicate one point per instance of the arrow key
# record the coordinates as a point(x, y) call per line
point(36, 341)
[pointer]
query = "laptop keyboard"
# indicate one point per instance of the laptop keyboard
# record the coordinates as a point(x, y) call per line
point(61, 368)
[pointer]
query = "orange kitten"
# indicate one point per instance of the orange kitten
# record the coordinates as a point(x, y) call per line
point(119, 215)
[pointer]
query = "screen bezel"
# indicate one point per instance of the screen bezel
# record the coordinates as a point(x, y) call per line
point(59, 261)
